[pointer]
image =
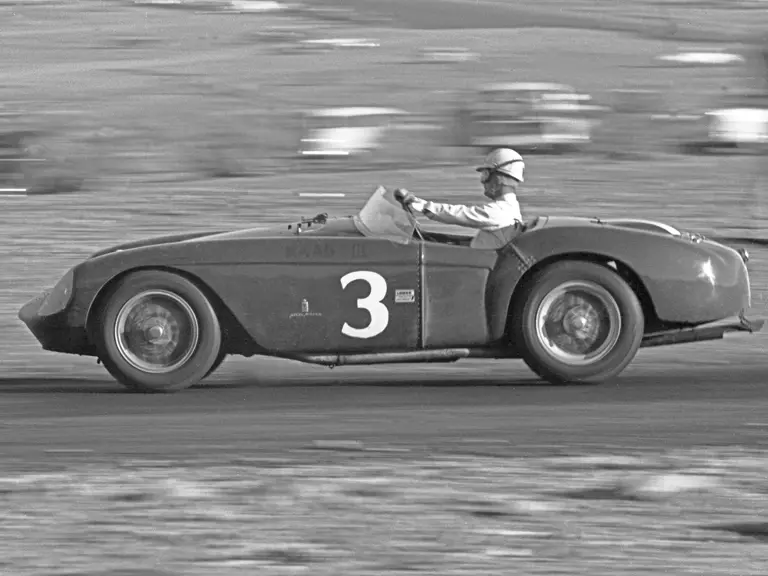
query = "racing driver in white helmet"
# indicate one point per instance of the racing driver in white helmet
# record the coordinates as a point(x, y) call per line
point(501, 174)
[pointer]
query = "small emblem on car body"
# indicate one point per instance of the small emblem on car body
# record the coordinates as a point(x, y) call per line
point(304, 310)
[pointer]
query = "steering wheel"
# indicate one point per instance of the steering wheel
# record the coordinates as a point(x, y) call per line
point(416, 225)
point(411, 215)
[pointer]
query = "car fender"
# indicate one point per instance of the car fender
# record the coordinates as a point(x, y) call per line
point(168, 239)
point(686, 281)
point(194, 260)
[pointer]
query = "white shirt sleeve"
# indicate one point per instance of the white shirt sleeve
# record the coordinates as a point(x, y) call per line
point(484, 217)
point(419, 205)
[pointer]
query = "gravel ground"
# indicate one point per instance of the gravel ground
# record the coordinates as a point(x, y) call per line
point(392, 510)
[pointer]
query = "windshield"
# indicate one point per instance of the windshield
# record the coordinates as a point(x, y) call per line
point(384, 217)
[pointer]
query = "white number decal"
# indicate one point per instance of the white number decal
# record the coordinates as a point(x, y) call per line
point(371, 303)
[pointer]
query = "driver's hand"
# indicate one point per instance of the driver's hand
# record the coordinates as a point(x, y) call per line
point(405, 197)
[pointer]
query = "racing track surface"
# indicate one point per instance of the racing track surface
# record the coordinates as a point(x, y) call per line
point(710, 393)
point(455, 470)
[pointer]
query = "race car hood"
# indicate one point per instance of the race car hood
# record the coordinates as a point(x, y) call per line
point(168, 239)
point(333, 227)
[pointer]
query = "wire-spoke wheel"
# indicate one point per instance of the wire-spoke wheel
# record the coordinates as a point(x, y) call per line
point(156, 331)
point(159, 332)
point(578, 322)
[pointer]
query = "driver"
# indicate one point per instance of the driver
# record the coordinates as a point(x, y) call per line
point(501, 174)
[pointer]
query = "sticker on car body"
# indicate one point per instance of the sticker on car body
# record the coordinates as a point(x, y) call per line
point(405, 296)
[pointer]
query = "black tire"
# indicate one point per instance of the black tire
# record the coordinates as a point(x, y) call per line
point(618, 341)
point(219, 360)
point(183, 301)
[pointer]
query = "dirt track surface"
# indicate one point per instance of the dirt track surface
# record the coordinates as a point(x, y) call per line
point(711, 393)
point(464, 470)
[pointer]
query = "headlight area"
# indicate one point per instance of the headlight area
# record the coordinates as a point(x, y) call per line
point(59, 297)
point(744, 254)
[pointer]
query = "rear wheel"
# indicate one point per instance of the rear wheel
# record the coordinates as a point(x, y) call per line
point(579, 322)
point(158, 333)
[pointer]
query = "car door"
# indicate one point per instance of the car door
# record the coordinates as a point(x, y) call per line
point(341, 295)
point(453, 282)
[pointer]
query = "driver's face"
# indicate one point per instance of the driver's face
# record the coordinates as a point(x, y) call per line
point(490, 183)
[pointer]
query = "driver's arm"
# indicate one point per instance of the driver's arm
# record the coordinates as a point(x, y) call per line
point(482, 216)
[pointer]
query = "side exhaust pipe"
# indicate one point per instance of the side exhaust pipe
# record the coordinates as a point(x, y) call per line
point(416, 356)
point(712, 331)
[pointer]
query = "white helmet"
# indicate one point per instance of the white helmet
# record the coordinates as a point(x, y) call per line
point(505, 161)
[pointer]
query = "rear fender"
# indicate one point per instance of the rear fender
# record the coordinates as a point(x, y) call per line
point(683, 281)
point(513, 275)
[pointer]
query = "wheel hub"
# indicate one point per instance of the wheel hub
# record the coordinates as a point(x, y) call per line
point(578, 323)
point(156, 331)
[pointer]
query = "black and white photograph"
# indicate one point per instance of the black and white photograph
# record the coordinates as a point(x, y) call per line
point(384, 287)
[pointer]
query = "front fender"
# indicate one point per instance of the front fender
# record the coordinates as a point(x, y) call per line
point(145, 242)
point(687, 282)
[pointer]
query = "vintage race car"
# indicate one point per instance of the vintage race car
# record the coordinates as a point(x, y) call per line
point(573, 297)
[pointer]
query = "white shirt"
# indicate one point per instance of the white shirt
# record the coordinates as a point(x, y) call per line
point(488, 218)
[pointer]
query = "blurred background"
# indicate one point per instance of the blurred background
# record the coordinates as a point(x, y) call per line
point(123, 118)
point(99, 92)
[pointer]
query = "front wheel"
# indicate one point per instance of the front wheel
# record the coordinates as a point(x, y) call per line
point(579, 322)
point(158, 333)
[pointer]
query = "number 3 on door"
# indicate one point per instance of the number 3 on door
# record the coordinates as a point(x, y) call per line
point(372, 303)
